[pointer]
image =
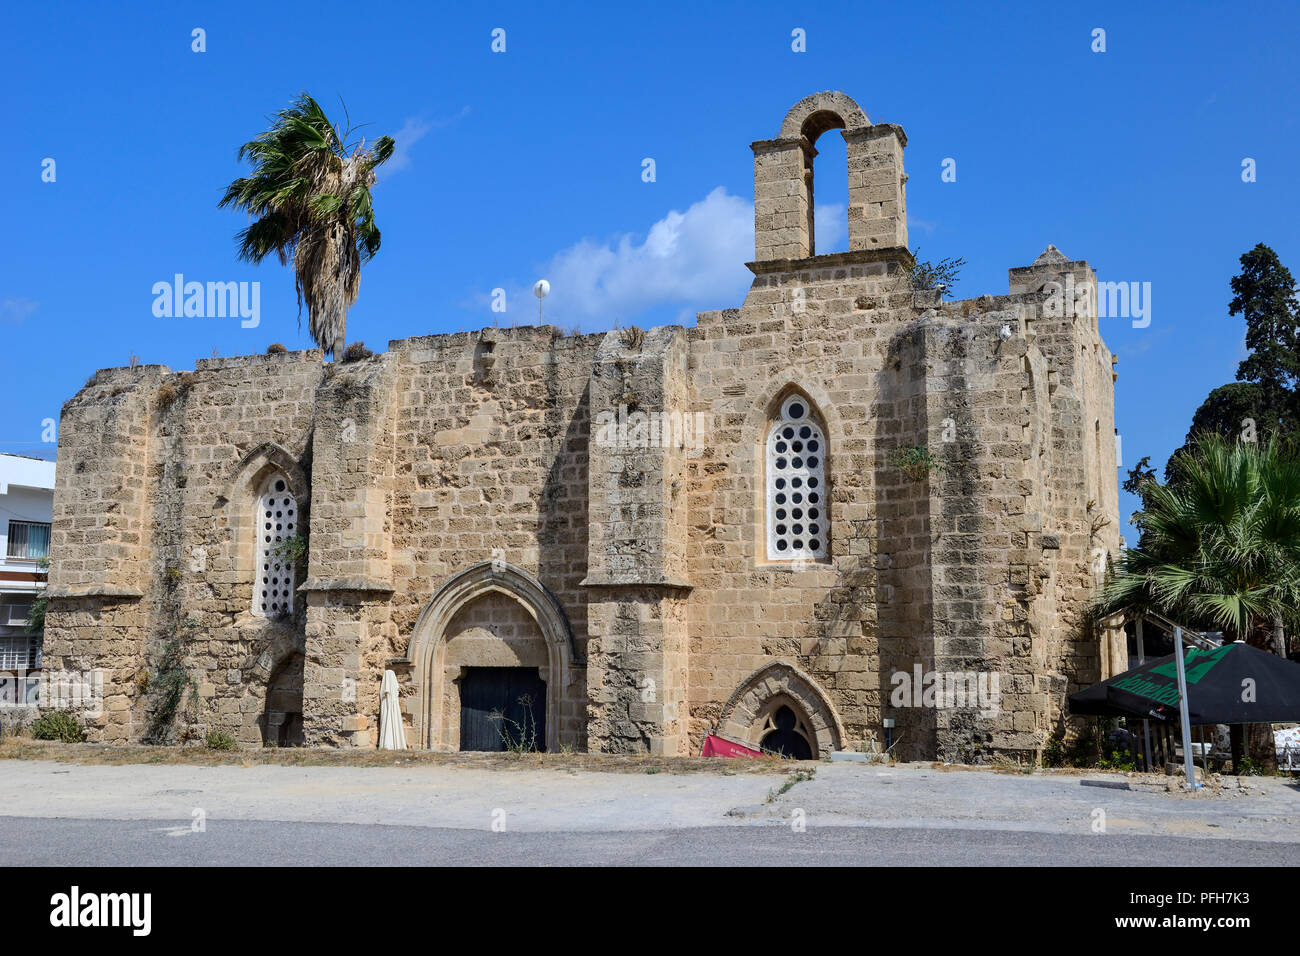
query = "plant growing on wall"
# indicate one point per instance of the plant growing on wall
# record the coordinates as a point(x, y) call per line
point(916, 461)
point(357, 352)
point(632, 337)
point(942, 275)
point(292, 549)
point(168, 688)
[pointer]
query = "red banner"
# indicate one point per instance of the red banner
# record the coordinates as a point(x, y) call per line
point(718, 747)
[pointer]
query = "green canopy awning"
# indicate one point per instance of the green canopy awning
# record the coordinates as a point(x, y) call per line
point(1232, 684)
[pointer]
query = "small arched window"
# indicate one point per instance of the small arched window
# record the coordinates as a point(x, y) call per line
point(276, 522)
point(798, 521)
point(785, 734)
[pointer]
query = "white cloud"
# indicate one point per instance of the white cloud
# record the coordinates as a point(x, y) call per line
point(694, 260)
point(830, 228)
point(17, 310)
point(412, 131)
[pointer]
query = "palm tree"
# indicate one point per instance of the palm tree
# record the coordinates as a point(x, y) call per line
point(1220, 547)
point(1221, 543)
point(310, 193)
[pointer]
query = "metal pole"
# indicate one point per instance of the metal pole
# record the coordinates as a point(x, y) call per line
point(1182, 708)
point(1142, 659)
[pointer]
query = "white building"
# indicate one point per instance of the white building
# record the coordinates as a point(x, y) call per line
point(26, 508)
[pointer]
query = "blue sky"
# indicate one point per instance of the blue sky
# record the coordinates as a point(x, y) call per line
point(527, 163)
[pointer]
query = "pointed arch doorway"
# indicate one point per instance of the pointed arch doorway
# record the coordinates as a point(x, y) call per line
point(491, 635)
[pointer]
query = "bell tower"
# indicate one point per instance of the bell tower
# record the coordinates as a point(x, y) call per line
point(783, 180)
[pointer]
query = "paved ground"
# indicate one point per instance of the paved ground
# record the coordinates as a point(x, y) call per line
point(254, 843)
point(453, 797)
point(1269, 810)
point(53, 812)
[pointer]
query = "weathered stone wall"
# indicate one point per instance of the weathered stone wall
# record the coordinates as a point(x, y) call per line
point(349, 629)
point(491, 442)
point(636, 552)
point(161, 527)
point(976, 379)
point(1082, 490)
point(101, 534)
point(821, 329)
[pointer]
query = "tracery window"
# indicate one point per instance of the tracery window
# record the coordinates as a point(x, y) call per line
point(276, 521)
point(785, 734)
point(798, 525)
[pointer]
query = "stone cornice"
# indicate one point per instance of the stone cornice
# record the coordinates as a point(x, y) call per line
point(877, 130)
point(94, 591)
point(832, 260)
point(633, 581)
point(358, 583)
point(766, 145)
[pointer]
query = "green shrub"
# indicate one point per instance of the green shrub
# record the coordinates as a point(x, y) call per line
point(1250, 767)
point(219, 741)
point(1054, 752)
point(941, 275)
point(59, 725)
point(1117, 759)
point(36, 616)
point(291, 549)
point(1082, 750)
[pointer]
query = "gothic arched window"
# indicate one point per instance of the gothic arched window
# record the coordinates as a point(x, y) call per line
point(785, 734)
point(276, 521)
point(798, 522)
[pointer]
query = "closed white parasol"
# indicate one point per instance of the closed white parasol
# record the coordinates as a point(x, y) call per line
point(392, 736)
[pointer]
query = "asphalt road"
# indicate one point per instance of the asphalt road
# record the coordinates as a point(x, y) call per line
point(91, 842)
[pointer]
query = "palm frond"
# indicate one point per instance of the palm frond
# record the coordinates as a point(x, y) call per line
point(309, 195)
point(1222, 540)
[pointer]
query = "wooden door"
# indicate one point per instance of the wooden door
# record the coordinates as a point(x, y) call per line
point(502, 708)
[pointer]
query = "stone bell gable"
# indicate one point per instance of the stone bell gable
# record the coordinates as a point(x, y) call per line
point(783, 180)
point(780, 526)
